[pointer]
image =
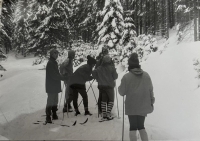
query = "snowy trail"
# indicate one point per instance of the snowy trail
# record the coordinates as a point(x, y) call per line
point(176, 116)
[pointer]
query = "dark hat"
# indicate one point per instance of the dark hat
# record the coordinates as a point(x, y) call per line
point(133, 61)
point(104, 50)
point(71, 54)
point(106, 59)
point(91, 61)
point(53, 51)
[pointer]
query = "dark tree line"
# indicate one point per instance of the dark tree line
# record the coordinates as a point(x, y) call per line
point(29, 25)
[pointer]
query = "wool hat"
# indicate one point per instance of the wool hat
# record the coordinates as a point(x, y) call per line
point(133, 61)
point(106, 59)
point(53, 51)
point(91, 61)
point(71, 54)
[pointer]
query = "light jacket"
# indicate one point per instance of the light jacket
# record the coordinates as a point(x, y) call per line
point(138, 88)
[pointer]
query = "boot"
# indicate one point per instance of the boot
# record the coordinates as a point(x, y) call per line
point(143, 135)
point(48, 119)
point(88, 113)
point(54, 116)
point(132, 135)
point(77, 112)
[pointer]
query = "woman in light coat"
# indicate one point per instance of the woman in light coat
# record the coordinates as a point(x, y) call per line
point(138, 88)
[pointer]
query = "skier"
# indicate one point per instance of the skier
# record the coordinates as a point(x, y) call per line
point(53, 86)
point(66, 69)
point(106, 75)
point(99, 61)
point(138, 88)
point(77, 83)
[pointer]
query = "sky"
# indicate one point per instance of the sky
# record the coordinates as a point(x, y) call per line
point(175, 117)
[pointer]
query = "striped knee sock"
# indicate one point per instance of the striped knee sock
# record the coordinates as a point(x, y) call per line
point(103, 108)
point(109, 108)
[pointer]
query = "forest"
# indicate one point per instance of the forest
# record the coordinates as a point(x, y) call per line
point(36, 26)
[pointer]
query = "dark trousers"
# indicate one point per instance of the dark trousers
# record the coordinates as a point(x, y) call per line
point(52, 102)
point(107, 95)
point(136, 122)
point(99, 101)
point(83, 94)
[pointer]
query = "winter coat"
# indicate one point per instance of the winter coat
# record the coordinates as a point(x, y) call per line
point(138, 88)
point(53, 77)
point(66, 68)
point(105, 76)
point(80, 76)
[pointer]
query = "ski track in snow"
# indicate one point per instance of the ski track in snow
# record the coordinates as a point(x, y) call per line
point(176, 115)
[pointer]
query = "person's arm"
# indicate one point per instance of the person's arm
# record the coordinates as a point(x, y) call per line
point(114, 74)
point(151, 92)
point(95, 74)
point(54, 73)
point(122, 87)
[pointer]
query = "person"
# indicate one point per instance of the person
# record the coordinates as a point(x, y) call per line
point(77, 83)
point(138, 88)
point(66, 69)
point(106, 75)
point(53, 86)
point(99, 61)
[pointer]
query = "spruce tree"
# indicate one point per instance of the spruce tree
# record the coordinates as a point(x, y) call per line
point(52, 31)
point(128, 40)
point(112, 25)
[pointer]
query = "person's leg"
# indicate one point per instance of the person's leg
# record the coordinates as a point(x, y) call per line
point(49, 107)
point(141, 128)
point(110, 95)
point(103, 103)
point(68, 99)
point(133, 127)
point(55, 106)
point(84, 95)
point(99, 101)
point(75, 99)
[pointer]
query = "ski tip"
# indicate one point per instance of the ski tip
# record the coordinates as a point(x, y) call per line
point(65, 125)
point(74, 123)
point(36, 123)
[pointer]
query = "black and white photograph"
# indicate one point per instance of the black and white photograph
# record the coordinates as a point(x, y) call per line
point(104, 70)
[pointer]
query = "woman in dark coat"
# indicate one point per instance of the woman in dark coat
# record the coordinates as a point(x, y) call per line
point(53, 86)
point(77, 83)
point(106, 75)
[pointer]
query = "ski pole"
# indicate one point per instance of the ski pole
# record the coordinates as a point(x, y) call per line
point(117, 102)
point(61, 94)
point(86, 92)
point(93, 92)
point(123, 122)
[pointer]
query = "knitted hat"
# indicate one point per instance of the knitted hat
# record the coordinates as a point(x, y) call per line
point(91, 61)
point(106, 59)
point(53, 51)
point(104, 51)
point(71, 54)
point(133, 61)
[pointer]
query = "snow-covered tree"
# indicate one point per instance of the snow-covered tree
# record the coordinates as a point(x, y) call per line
point(22, 16)
point(52, 30)
point(110, 30)
point(128, 40)
point(6, 28)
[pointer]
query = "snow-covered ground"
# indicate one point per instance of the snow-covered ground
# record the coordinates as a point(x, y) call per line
point(177, 108)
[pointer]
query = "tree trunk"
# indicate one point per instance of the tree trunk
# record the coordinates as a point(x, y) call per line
point(195, 20)
point(1, 1)
point(167, 19)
